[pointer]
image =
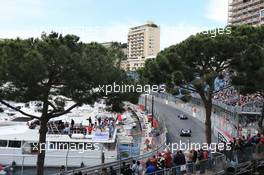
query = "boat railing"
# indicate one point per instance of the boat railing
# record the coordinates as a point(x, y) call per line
point(117, 164)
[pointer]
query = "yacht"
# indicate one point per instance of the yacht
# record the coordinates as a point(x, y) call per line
point(72, 148)
point(81, 138)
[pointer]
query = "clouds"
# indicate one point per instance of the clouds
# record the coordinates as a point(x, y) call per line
point(217, 10)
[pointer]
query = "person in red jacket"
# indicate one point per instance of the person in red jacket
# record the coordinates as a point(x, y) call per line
point(262, 138)
point(90, 129)
point(205, 155)
point(168, 159)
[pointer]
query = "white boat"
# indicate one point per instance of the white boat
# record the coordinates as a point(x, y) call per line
point(71, 147)
point(18, 144)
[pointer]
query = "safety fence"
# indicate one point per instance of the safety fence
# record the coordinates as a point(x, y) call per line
point(215, 165)
point(246, 161)
point(235, 121)
point(244, 154)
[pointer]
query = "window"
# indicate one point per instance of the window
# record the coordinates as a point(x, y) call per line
point(34, 148)
point(262, 14)
point(14, 144)
point(3, 143)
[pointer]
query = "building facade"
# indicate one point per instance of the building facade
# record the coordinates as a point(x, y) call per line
point(143, 43)
point(249, 12)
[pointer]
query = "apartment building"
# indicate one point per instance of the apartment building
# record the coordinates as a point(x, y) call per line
point(249, 12)
point(143, 43)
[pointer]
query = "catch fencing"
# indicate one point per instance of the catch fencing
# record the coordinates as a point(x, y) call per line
point(215, 165)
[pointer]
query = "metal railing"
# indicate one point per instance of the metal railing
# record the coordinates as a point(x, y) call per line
point(246, 160)
point(214, 165)
point(230, 108)
point(250, 161)
point(116, 165)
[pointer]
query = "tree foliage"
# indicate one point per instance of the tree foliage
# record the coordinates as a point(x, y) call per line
point(37, 69)
point(193, 65)
point(248, 65)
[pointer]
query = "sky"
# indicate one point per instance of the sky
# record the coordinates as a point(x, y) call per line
point(109, 20)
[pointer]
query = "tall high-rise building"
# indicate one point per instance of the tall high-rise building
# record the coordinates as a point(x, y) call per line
point(249, 12)
point(143, 43)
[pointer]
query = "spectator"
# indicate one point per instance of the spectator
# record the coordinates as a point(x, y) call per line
point(160, 162)
point(90, 120)
point(66, 130)
point(202, 161)
point(95, 126)
point(200, 155)
point(72, 123)
point(205, 155)
point(134, 167)
point(153, 160)
point(128, 170)
point(99, 120)
point(168, 159)
point(62, 170)
point(262, 139)
point(139, 169)
point(96, 172)
point(104, 171)
point(182, 158)
point(150, 168)
point(177, 159)
point(123, 168)
point(111, 129)
point(112, 171)
point(90, 129)
point(189, 161)
point(194, 155)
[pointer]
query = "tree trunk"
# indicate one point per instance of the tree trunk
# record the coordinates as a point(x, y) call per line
point(44, 119)
point(42, 145)
point(208, 124)
point(260, 122)
point(208, 112)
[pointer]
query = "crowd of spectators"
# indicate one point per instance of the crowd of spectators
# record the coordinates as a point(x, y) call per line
point(164, 161)
point(167, 160)
point(242, 142)
point(230, 96)
point(60, 127)
point(194, 160)
point(243, 149)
